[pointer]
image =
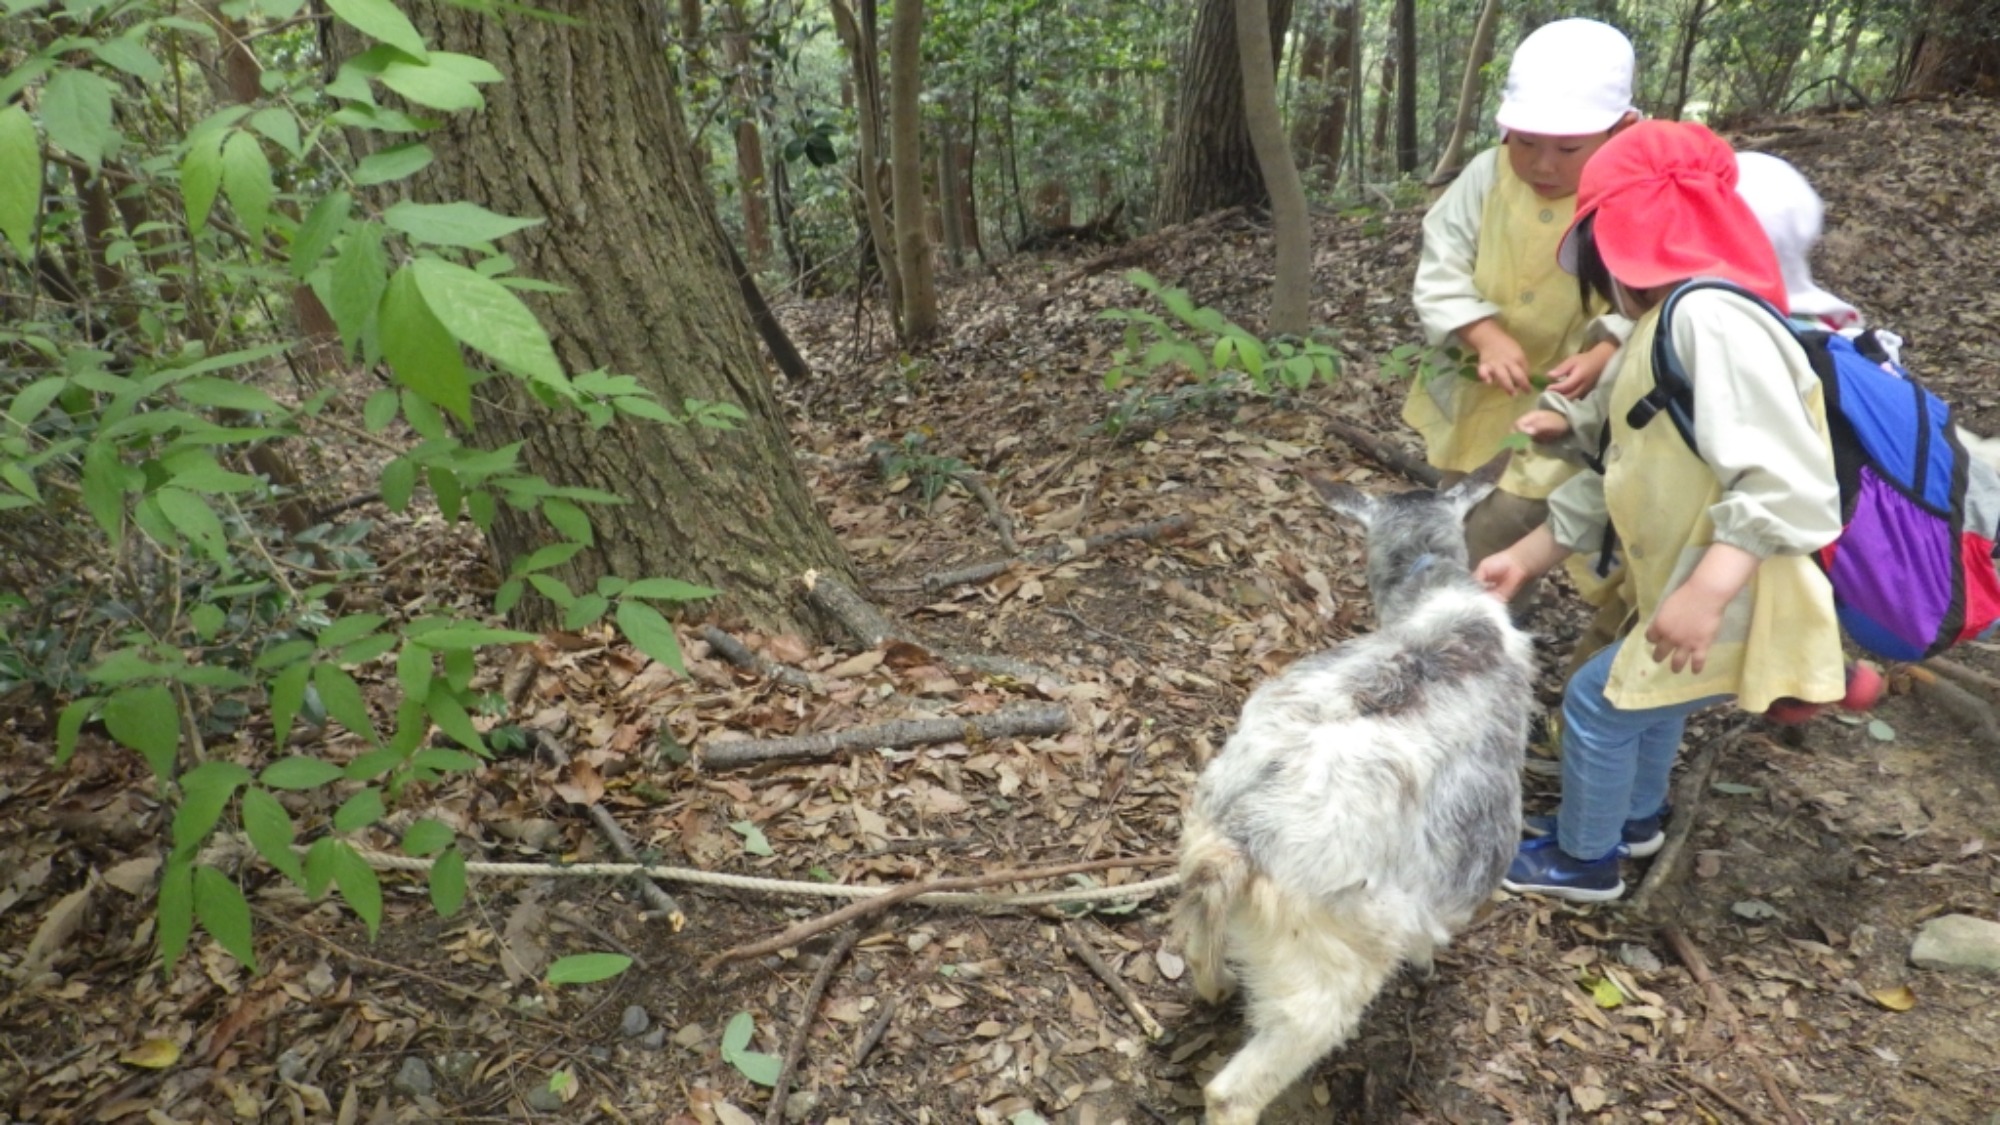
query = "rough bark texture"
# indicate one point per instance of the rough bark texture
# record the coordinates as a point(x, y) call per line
point(1407, 80)
point(586, 134)
point(1210, 162)
point(906, 163)
point(1960, 50)
point(1291, 289)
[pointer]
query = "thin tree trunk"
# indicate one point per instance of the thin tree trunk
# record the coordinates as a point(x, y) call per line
point(1407, 79)
point(858, 35)
point(1291, 291)
point(1385, 101)
point(587, 135)
point(906, 170)
point(948, 198)
point(1469, 90)
point(1684, 64)
point(744, 92)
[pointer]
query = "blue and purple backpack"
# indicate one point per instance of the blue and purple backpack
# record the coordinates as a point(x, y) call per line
point(1913, 570)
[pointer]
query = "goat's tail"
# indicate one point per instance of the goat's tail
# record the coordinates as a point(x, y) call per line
point(1214, 873)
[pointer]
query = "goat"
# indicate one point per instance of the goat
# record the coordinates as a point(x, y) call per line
point(1367, 804)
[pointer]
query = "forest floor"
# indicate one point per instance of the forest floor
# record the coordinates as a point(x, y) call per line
point(1769, 980)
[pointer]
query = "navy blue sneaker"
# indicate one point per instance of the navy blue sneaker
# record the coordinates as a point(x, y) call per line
point(1642, 837)
point(1542, 868)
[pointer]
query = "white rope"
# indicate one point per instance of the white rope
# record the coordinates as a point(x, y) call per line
point(383, 861)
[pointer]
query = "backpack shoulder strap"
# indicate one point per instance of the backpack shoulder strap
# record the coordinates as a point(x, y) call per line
point(1673, 391)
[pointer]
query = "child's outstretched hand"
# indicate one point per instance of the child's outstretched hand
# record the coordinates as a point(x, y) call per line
point(1502, 363)
point(1577, 376)
point(1684, 628)
point(1502, 574)
point(1542, 426)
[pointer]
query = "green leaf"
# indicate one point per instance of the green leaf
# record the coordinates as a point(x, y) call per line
point(650, 633)
point(207, 621)
point(484, 316)
point(754, 841)
point(355, 283)
point(736, 1035)
point(280, 126)
point(76, 110)
point(1881, 731)
point(413, 670)
point(298, 772)
point(668, 589)
point(224, 914)
point(358, 885)
point(246, 180)
point(587, 968)
point(104, 488)
point(1732, 788)
point(421, 352)
point(20, 181)
point(432, 86)
point(205, 791)
point(351, 628)
point(375, 763)
point(195, 520)
point(427, 837)
point(449, 714)
point(381, 20)
point(34, 398)
point(359, 811)
point(228, 394)
point(1606, 993)
point(393, 163)
point(176, 910)
point(326, 222)
point(757, 1066)
point(448, 883)
point(342, 698)
point(288, 694)
point(453, 224)
point(130, 55)
point(379, 410)
point(568, 519)
point(271, 832)
point(585, 610)
point(146, 719)
point(70, 723)
point(399, 483)
point(445, 761)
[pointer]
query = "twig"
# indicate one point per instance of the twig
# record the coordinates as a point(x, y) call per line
point(1709, 1088)
point(861, 619)
point(1381, 451)
point(1718, 1000)
point(659, 903)
point(866, 907)
point(865, 1045)
point(341, 507)
point(1966, 677)
point(1054, 554)
point(739, 654)
point(797, 1048)
point(1002, 526)
point(1030, 719)
point(1973, 713)
point(1687, 802)
point(1080, 949)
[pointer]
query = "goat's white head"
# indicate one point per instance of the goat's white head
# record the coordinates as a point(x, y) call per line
point(1410, 534)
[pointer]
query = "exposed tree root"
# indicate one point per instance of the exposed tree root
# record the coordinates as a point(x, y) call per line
point(1054, 554)
point(1382, 452)
point(1012, 721)
point(739, 654)
point(870, 628)
point(1976, 715)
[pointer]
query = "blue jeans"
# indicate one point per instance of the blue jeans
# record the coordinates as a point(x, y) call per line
point(1615, 763)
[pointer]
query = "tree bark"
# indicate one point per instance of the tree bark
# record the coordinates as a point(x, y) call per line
point(1291, 290)
point(857, 34)
point(1469, 89)
point(1406, 87)
point(1210, 161)
point(1959, 52)
point(587, 134)
point(1327, 66)
point(745, 92)
point(906, 171)
point(1684, 65)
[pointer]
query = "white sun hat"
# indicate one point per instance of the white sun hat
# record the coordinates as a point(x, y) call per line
point(1568, 78)
point(1792, 215)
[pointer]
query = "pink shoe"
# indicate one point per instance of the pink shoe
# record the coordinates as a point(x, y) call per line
point(1864, 689)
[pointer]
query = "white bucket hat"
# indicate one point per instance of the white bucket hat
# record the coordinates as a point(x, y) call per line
point(1791, 213)
point(1569, 78)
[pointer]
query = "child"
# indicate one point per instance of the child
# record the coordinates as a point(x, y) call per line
point(1488, 275)
point(1729, 603)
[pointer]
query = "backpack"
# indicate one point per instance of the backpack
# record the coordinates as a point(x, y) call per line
point(1912, 571)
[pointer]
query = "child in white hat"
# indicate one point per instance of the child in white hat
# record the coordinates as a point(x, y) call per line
point(1488, 277)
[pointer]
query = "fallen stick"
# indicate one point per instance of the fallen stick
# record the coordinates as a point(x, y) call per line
point(1013, 720)
point(1718, 1001)
point(868, 626)
point(1967, 677)
point(1743, 1111)
point(1080, 949)
point(1687, 800)
point(1381, 451)
point(796, 1049)
point(865, 1046)
point(863, 908)
point(1002, 526)
point(1053, 555)
point(739, 654)
point(659, 903)
point(1973, 713)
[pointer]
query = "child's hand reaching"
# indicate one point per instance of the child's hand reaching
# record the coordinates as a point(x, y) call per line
point(1502, 363)
point(1577, 376)
point(1690, 617)
point(1542, 426)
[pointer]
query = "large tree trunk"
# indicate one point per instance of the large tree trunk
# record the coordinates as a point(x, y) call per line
point(1291, 290)
point(1959, 52)
point(1210, 161)
point(1469, 89)
point(1407, 79)
point(906, 171)
point(586, 133)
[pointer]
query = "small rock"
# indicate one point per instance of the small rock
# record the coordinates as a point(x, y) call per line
point(544, 1100)
point(455, 1065)
point(801, 1104)
point(654, 1039)
point(291, 1065)
point(414, 1078)
point(864, 974)
point(635, 1022)
point(689, 1035)
point(1639, 957)
point(1958, 941)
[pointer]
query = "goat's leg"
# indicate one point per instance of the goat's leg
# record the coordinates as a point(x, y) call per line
point(1307, 992)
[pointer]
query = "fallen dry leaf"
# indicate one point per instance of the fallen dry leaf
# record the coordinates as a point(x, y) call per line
point(153, 1054)
point(1896, 999)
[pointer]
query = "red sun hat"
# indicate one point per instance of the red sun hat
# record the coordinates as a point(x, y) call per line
point(1666, 207)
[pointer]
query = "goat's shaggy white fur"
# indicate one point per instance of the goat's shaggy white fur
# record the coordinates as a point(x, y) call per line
point(1366, 805)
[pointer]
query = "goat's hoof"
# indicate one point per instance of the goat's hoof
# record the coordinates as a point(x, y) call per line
point(1222, 1113)
point(1215, 991)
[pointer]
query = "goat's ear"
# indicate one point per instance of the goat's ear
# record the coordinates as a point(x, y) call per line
point(1476, 485)
point(1346, 499)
